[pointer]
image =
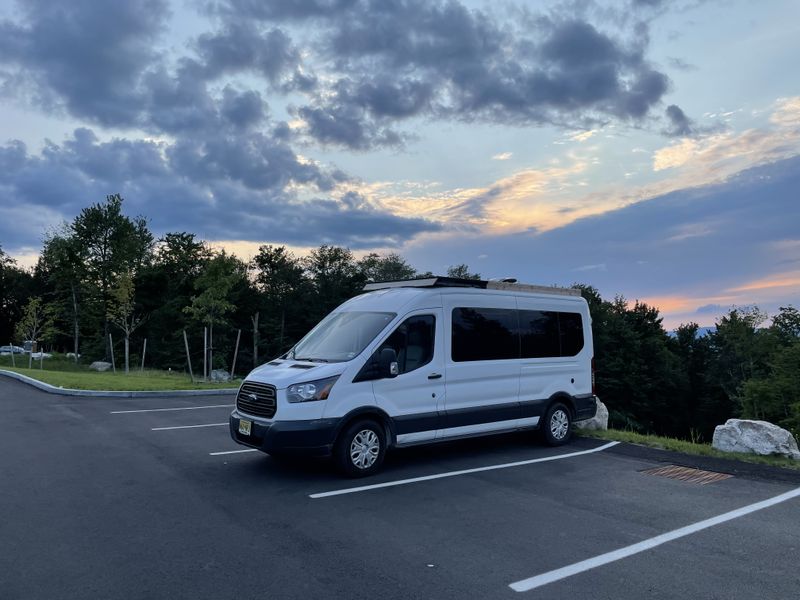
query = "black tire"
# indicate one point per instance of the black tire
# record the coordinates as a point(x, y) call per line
point(360, 448)
point(557, 425)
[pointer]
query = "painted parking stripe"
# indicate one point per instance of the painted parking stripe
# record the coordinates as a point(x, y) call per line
point(603, 559)
point(520, 463)
point(145, 410)
point(188, 426)
point(232, 451)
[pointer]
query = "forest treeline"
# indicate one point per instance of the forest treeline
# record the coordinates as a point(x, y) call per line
point(105, 272)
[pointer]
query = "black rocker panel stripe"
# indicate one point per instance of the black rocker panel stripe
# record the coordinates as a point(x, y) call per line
point(468, 416)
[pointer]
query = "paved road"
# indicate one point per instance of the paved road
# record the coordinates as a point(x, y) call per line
point(98, 505)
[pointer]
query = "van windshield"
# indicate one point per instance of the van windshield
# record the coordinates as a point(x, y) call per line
point(341, 336)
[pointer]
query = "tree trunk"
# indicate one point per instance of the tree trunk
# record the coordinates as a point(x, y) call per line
point(127, 352)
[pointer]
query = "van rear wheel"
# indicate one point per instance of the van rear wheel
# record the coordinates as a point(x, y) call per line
point(557, 425)
point(360, 449)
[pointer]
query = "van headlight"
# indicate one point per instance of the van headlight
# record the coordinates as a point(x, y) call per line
point(311, 390)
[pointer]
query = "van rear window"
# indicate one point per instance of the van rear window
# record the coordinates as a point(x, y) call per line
point(500, 333)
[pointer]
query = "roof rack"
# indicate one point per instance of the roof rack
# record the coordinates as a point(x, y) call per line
point(472, 283)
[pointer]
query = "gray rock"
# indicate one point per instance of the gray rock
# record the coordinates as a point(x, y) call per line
point(599, 422)
point(755, 437)
point(99, 365)
point(220, 375)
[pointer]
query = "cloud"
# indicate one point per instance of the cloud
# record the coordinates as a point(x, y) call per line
point(597, 267)
point(440, 59)
point(362, 68)
point(734, 263)
point(707, 309)
point(248, 187)
point(84, 56)
point(776, 280)
point(680, 64)
point(503, 156)
point(680, 125)
point(241, 46)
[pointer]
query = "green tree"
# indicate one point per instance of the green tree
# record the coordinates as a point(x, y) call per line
point(35, 325)
point(282, 283)
point(334, 275)
point(107, 244)
point(389, 267)
point(60, 266)
point(163, 288)
point(786, 324)
point(742, 351)
point(461, 272)
point(213, 301)
point(16, 287)
point(775, 397)
point(122, 311)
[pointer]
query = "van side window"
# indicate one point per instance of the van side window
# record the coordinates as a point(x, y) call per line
point(571, 328)
point(484, 334)
point(413, 342)
point(539, 333)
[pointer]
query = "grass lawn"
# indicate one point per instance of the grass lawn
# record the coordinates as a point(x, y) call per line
point(61, 372)
point(676, 445)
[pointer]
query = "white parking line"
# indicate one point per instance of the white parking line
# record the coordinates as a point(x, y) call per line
point(603, 559)
point(520, 463)
point(188, 426)
point(232, 452)
point(124, 412)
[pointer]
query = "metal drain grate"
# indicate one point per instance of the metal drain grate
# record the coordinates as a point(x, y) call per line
point(687, 474)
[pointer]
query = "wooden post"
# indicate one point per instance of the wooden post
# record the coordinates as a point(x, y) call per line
point(205, 353)
point(111, 346)
point(13, 364)
point(210, 349)
point(254, 319)
point(188, 358)
point(236, 352)
point(144, 351)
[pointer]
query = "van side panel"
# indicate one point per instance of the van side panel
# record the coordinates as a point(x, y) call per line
point(479, 392)
point(542, 378)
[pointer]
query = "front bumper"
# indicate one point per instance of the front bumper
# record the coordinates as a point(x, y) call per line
point(301, 438)
point(585, 406)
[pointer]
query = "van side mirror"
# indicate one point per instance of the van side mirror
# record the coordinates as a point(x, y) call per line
point(388, 363)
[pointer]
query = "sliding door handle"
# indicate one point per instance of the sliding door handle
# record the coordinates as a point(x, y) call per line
point(435, 376)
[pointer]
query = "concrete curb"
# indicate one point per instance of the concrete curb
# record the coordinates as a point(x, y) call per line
point(51, 389)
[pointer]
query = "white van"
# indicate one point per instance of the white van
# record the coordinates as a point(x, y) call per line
point(426, 360)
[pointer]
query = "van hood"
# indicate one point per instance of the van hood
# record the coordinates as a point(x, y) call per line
point(283, 373)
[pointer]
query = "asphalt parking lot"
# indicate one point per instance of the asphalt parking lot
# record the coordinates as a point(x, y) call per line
point(101, 502)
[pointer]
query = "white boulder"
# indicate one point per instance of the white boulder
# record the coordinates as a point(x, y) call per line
point(599, 422)
point(220, 375)
point(755, 437)
point(99, 365)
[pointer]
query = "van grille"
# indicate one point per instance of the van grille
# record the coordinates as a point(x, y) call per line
point(257, 399)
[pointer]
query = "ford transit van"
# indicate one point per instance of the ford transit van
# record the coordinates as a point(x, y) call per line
point(420, 361)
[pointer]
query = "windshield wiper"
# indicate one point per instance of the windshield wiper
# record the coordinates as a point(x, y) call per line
point(309, 359)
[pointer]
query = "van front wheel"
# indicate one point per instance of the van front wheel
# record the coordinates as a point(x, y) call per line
point(557, 425)
point(360, 449)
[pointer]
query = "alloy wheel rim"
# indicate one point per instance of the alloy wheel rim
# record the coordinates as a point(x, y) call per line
point(364, 449)
point(559, 424)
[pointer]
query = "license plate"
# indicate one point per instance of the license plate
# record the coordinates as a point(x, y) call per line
point(244, 426)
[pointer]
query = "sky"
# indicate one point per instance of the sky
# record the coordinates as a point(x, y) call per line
point(648, 148)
